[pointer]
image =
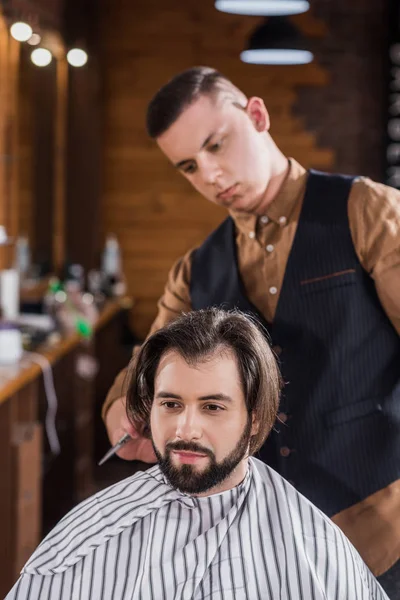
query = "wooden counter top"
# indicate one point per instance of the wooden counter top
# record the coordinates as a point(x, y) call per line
point(14, 377)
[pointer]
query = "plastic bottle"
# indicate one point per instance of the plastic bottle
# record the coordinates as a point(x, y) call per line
point(114, 284)
point(111, 259)
point(23, 258)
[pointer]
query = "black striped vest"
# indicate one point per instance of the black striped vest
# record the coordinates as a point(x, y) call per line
point(340, 355)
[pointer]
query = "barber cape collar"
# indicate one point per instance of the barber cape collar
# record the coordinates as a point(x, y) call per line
point(110, 512)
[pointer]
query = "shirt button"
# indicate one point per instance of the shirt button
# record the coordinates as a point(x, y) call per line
point(264, 220)
point(282, 221)
point(269, 248)
point(285, 451)
point(273, 290)
point(252, 235)
point(277, 350)
point(282, 417)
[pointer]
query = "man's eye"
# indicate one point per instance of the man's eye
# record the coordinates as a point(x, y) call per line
point(170, 404)
point(213, 407)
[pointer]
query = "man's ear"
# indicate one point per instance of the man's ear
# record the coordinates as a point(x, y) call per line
point(258, 113)
point(255, 425)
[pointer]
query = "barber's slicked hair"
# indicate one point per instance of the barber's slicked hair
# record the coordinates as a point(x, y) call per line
point(180, 92)
point(197, 336)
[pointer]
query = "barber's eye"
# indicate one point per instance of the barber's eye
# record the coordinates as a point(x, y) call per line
point(190, 169)
point(215, 147)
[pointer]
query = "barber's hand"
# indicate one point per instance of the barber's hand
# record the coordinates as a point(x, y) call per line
point(117, 424)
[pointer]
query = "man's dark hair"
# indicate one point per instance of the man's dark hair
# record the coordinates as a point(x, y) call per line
point(197, 336)
point(180, 92)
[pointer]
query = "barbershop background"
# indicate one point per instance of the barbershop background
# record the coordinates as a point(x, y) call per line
point(92, 216)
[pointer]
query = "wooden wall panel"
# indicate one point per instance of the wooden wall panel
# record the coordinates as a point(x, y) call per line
point(153, 210)
point(26, 208)
point(84, 139)
point(59, 193)
point(12, 139)
point(9, 107)
point(46, 154)
point(82, 224)
point(4, 42)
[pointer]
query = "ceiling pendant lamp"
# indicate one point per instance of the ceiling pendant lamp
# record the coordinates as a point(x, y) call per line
point(263, 7)
point(277, 42)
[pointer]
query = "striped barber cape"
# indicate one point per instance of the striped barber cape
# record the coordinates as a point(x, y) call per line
point(141, 539)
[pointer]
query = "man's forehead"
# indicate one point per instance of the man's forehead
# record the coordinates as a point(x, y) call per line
point(220, 357)
point(197, 122)
point(215, 374)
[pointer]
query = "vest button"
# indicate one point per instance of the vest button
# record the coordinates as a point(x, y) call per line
point(285, 451)
point(277, 350)
point(282, 417)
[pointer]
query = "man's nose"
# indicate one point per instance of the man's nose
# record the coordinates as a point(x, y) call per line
point(210, 170)
point(188, 425)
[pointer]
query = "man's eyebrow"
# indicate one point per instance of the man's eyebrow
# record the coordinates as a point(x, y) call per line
point(166, 394)
point(217, 396)
point(181, 163)
point(223, 397)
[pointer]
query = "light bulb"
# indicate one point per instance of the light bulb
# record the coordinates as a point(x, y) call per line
point(21, 31)
point(34, 40)
point(41, 57)
point(77, 57)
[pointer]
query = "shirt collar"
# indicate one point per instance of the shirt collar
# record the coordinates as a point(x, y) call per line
point(281, 208)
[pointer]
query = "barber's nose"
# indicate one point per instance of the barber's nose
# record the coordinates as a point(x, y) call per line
point(188, 425)
point(210, 171)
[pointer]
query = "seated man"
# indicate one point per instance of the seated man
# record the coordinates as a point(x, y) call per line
point(209, 521)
